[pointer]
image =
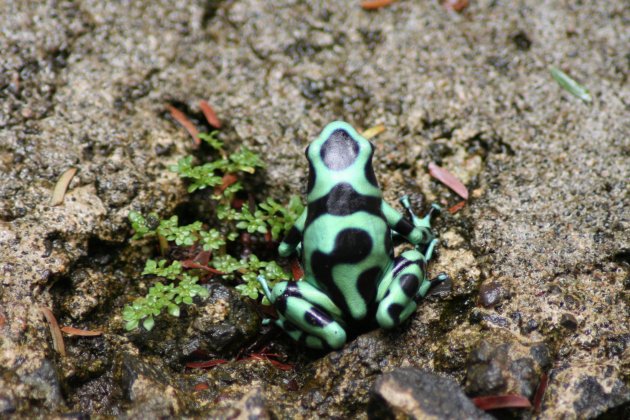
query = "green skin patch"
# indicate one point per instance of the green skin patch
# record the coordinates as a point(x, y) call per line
point(351, 277)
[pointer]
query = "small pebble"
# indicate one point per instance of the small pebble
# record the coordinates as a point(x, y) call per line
point(569, 322)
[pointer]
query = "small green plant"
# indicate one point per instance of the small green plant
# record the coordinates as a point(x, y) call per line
point(162, 296)
point(212, 174)
point(268, 219)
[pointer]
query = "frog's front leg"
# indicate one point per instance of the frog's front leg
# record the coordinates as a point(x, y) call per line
point(417, 231)
point(422, 225)
point(306, 314)
point(293, 238)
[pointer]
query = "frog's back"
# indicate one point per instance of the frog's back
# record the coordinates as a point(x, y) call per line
point(346, 241)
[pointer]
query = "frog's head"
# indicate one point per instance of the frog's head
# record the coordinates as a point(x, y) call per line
point(342, 153)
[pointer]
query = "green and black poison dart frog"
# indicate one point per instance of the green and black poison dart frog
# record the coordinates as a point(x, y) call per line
point(344, 235)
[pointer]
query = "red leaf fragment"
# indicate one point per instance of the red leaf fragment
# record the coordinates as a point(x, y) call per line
point(375, 4)
point(206, 364)
point(81, 333)
point(201, 387)
point(493, 402)
point(281, 366)
point(448, 179)
point(457, 207)
point(226, 181)
point(265, 356)
point(62, 186)
point(210, 115)
point(540, 392)
point(203, 258)
point(455, 5)
point(296, 270)
point(193, 264)
point(185, 122)
point(54, 330)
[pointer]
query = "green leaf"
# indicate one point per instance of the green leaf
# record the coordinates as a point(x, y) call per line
point(201, 176)
point(211, 239)
point(142, 226)
point(226, 264)
point(161, 269)
point(570, 85)
point(148, 323)
point(131, 325)
point(203, 292)
point(173, 309)
point(244, 161)
point(212, 140)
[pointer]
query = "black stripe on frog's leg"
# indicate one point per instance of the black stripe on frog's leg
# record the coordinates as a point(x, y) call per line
point(317, 318)
point(394, 311)
point(293, 237)
point(404, 227)
point(339, 151)
point(291, 290)
point(400, 264)
point(410, 283)
point(389, 245)
point(343, 200)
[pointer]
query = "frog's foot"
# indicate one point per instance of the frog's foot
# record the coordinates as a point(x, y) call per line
point(424, 222)
point(428, 254)
point(428, 284)
point(307, 314)
point(422, 236)
point(399, 288)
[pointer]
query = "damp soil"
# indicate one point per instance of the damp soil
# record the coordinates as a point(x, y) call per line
point(537, 258)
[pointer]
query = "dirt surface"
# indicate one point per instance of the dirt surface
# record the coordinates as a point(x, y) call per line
point(538, 257)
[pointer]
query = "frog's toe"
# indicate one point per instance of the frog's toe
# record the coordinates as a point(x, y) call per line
point(284, 249)
point(429, 253)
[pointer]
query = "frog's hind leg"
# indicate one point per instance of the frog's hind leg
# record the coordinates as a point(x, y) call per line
point(300, 336)
point(307, 314)
point(400, 289)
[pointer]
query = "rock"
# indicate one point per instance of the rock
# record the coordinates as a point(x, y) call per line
point(420, 394)
point(250, 406)
point(569, 322)
point(215, 327)
point(223, 322)
point(148, 388)
point(339, 384)
point(481, 315)
point(505, 368)
point(491, 294)
point(595, 400)
point(45, 385)
point(588, 396)
point(7, 404)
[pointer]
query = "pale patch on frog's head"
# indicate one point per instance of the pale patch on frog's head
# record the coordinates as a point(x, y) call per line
point(339, 148)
